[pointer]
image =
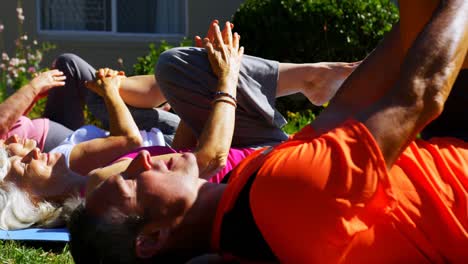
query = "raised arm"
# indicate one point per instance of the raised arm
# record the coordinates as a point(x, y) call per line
point(413, 97)
point(124, 133)
point(23, 100)
point(427, 76)
point(215, 140)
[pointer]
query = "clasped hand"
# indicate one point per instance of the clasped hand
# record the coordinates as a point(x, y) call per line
point(107, 80)
point(224, 52)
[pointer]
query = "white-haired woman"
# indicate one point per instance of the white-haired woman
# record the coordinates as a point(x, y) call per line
point(35, 186)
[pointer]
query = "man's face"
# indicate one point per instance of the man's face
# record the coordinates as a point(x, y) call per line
point(160, 191)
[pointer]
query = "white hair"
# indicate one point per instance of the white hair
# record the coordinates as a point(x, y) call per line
point(4, 163)
point(18, 211)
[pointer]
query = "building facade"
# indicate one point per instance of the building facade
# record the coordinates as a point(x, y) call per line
point(101, 31)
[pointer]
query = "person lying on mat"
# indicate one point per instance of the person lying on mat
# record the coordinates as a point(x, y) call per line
point(43, 182)
point(83, 157)
point(355, 186)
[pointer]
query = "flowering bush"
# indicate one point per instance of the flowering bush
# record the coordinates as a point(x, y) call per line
point(17, 69)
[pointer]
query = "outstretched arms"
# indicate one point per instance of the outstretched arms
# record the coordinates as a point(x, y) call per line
point(23, 100)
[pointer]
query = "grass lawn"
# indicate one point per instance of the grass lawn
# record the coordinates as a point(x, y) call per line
point(14, 252)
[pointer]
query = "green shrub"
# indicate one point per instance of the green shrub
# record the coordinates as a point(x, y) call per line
point(311, 31)
point(145, 65)
point(298, 120)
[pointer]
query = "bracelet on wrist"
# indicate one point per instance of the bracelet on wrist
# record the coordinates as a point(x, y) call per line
point(224, 100)
point(221, 94)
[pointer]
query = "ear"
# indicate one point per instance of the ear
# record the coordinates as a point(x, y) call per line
point(148, 245)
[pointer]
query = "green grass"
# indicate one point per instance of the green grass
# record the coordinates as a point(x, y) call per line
point(14, 252)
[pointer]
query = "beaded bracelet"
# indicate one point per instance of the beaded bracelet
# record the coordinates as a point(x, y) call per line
point(217, 100)
point(220, 94)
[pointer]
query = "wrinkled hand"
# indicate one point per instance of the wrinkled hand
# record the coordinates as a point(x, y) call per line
point(107, 81)
point(47, 80)
point(224, 54)
point(211, 33)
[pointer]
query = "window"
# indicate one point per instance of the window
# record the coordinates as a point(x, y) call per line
point(166, 17)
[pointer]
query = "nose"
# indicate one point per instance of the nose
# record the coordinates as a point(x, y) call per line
point(140, 163)
point(12, 139)
point(32, 155)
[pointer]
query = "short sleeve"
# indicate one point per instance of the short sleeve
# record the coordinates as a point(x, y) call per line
point(36, 129)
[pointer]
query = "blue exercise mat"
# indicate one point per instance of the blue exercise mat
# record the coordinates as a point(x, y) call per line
point(36, 234)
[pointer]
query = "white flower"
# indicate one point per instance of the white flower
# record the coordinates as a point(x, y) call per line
point(5, 56)
point(22, 61)
point(21, 69)
point(24, 37)
point(14, 61)
point(14, 73)
point(19, 11)
point(35, 42)
point(2, 27)
point(3, 66)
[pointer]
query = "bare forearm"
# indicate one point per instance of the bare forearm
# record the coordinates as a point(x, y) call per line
point(216, 137)
point(184, 137)
point(356, 94)
point(141, 91)
point(433, 62)
point(15, 106)
point(427, 76)
point(121, 121)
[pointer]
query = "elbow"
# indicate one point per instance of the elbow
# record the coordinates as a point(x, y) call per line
point(134, 141)
point(433, 106)
point(209, 166)
point(219, 162)
point(425, 98)
point(435, 95)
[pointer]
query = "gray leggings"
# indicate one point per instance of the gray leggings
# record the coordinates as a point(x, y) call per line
point(57, 133)
point(186, 80)
point(65, 104)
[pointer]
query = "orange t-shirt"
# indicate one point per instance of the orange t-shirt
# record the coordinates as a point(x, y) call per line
point(330, 199)
point(414, 14)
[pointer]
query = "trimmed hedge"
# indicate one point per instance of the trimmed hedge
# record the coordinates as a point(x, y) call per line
point(310, 31)
point(313, 30)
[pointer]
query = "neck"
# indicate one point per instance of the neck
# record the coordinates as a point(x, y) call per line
point(195, 231)
point(65, 185)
